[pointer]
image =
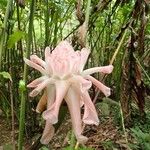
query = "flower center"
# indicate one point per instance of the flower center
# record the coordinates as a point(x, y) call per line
point(66, 77)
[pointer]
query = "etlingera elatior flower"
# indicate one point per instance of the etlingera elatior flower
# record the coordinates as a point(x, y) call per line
point(63, 78)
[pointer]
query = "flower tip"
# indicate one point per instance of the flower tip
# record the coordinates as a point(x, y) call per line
point(29, 86)
point(47, 134)
point(64, 42)
point(44, 141)
point(47, 49)
point(33, 57)
point(111, 67)
point(107, 92)
point(38, 111)
point(82, 139)
point(50, 117)
point(34, 93)
point(47, 52)
point(89, 121)
point(25, 59)
point(86, 50)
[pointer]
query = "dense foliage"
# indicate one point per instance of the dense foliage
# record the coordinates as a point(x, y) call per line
point(118, 34)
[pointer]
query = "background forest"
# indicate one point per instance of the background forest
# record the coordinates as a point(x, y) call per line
point(118, 33)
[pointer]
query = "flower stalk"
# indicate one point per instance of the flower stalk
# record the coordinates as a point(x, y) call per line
point(23, 92)
point(3, 34)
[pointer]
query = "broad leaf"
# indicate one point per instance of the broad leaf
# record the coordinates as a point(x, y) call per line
point(6, 75)
point(15, 37)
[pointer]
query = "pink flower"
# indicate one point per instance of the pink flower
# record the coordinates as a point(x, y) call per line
point(63, 77)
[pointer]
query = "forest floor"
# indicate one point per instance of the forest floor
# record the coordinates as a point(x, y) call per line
point(108, 135)
point(5, 131)
point(105, 136)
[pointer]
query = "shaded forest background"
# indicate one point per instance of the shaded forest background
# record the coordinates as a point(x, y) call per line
point(118, 33)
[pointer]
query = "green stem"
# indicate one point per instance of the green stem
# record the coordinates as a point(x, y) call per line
point(87, 15)
point(122, 122)
point(118, 48)
point(12, 116)
point(47, 23)
point(20, 41)
point(3, 34)
point(23, 93)
point(87, 12)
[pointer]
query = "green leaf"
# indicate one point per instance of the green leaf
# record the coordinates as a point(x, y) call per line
point(15, 37)
point(8, 147)
point(104, 107)
point(3, 3)
point(6, 75)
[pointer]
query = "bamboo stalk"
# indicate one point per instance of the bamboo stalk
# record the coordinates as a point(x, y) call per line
point(23, 92)
point(47, 23)
point(3, 34)
point(20, 41)
point(12, 115)
point(118, 48)
point(87, 15)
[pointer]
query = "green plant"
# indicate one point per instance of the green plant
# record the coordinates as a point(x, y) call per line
point(4, 103)
point(80, 148)
point(108, 145)
point(108, 22)
point(23, 93)
point(142, 138)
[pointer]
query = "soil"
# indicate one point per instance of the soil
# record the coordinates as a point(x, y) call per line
point(105, 136)
point(5, 131)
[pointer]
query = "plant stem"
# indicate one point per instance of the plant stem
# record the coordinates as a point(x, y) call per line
point(20, 41)
point(87, 15)
point(118, 48)
point(122, 122)
point(47, 23)
point(123, 125)
point(12, 115)
point(23, 93)
point(3, 34)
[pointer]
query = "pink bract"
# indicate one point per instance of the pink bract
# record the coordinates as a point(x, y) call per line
point(63, 78)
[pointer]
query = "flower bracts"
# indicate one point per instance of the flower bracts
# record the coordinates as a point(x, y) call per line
point(63, 78)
